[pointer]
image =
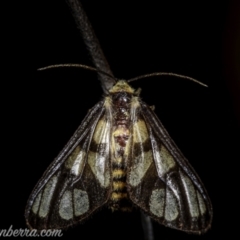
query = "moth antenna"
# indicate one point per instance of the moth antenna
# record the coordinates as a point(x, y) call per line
point(77, 66)
point(167, 74)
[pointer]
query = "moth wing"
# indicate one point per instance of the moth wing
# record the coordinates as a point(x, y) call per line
point(77, 182)
point(161, 181)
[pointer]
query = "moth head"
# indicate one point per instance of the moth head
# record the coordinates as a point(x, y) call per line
point(122, 86)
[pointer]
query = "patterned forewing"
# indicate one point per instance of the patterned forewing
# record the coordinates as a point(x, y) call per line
point(77, 182)
point(161, 181)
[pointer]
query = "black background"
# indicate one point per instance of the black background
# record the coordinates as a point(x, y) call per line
point(41, 110)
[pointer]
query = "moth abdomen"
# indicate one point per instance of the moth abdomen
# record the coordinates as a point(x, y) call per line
point(119, 186)
point(119, 196)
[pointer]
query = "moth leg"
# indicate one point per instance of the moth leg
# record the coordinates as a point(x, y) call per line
point(152, 107)
point(147, 227)
point(138, 91)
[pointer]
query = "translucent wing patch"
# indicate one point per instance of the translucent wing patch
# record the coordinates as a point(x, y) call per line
point(161, 181)
point(77, 182)
point(99, 152)
point(141, 152)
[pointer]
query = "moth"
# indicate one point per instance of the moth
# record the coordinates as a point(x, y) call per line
point(121, 157)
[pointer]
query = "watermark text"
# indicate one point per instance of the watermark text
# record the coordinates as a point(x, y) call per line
point(10, 232)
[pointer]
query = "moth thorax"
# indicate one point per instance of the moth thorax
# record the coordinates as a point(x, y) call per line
point(121, 86)
point(121, 108)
